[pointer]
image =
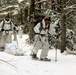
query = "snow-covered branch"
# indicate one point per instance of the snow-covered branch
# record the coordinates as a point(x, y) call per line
point(40, 1)
point(67, 2)
point(69, 12)
point(70, 7)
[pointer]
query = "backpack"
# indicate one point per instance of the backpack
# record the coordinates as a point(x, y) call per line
point(8, 23)
point(38, 17)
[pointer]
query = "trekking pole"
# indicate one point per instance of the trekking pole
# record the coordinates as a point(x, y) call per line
point(16, 39)
point(17, 42)
point(25, 44)
point(34, 46)
point(56, 49)
point(29, 41)
point(56, 55)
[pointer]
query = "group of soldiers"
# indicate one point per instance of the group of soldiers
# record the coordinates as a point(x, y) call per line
point(42, 29)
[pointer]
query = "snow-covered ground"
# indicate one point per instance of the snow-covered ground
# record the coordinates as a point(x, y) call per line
point(25, 65)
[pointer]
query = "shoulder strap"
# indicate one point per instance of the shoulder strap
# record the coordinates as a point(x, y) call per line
point(11, 24)
point(41, 26)
point(3, 24)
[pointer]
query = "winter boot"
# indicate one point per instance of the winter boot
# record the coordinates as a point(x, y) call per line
point(34, 56)
point(2, 48)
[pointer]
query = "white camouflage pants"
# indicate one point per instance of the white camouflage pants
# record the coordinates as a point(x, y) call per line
point(6, 39)
point(39, 45)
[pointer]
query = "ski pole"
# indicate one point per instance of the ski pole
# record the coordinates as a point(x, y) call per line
point(17, 42)
point(28, 41)
point(56, 54)
point(34, 46)
point(25, 44)
point(56, 49)
point(17, 39)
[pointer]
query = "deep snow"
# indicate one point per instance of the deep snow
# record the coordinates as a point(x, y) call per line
point(25, 65)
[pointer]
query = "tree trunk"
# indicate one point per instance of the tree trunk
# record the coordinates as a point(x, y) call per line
point(26, 14)
point(21, 14)
point(32, 10)
point(52, 4)
point(63, 27)
point(39, 6)
point(63, 30)
point(47, 3)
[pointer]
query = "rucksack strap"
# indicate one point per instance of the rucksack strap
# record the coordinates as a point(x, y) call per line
point(41, 26)
point(3, 24)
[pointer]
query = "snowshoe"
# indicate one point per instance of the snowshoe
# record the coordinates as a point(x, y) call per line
point(45, 59)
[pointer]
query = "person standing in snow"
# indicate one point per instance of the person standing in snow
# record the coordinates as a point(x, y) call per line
point(6, 27)
point(41, 39)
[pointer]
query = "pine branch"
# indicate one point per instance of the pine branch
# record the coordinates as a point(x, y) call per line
point(67, 2)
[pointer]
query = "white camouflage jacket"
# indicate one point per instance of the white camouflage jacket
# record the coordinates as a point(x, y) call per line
point(51, 29)
point(7, 25)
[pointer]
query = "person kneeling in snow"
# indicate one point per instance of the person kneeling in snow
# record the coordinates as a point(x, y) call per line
point(41, 39)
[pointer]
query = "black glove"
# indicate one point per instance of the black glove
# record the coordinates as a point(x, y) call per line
point(2, 29)
point(14, 28)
